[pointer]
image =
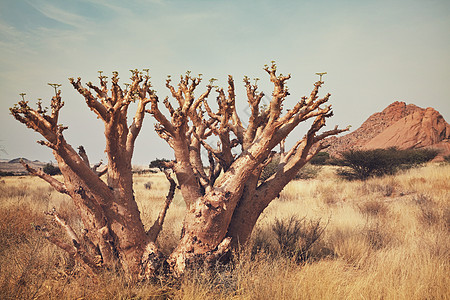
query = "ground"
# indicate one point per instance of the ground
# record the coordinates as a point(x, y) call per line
point(384, 238)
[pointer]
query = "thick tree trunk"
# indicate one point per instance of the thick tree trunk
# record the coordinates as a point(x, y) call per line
point(226, 214)
point(113, 234)
point(223, 204)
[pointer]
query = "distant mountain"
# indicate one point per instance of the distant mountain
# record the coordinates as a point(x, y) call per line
point(14, 166)
point(17, 160)
point(398, 125)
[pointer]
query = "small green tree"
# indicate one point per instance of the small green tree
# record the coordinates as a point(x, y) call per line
point(411, 157)
point(158, 163)
point(51, 170)
point(320, 158)
point(379, 162)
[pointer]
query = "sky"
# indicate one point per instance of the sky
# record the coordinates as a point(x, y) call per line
point(374, 53)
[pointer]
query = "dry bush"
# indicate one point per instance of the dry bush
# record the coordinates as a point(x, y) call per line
point(297, 236)
point(16, 225)
point(373, 208)
point(356, 246)
point(27, 261)
point(287, 233)
point(261, 241)
point(148, 185)
point(25, 268)
point(329, 193)
point(17, 191)
point(378, 235)
point(374, 186)
point(170, 236)
point(350, 246)
point(430, 213)
point(309, 171)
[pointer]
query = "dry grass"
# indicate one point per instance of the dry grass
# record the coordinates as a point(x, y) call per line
point(386, 238)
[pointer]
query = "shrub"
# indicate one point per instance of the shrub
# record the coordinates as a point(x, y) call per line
point(6, 173)
point(51, 170)
point(447, 158)
point(308, 172)
point(373, 208)
point(261, 243)
point(270, 169)
point(320, 158)
point(297, 236)
point(386, 189)
point(158, 163)
point(430, 213)
point(377, 236)
point(412, 157)
point(379, 162)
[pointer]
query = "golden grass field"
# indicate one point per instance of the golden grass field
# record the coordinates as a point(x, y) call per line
point(385, 238)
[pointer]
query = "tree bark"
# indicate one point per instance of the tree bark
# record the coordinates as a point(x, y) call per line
point(224, 198)
point(113, 230)
point(223, 209)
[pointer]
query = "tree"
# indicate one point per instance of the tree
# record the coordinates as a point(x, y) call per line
point(224, 197)
point(380, 162)
point(158, 163)
point(114, 234)
point(50, 169)
point(321, 158)
point(225, 202)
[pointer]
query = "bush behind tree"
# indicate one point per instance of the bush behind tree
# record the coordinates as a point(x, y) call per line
point(158, 163)
point(321, 158)
point(51, 170)
point(309, 171)
point(379, 162)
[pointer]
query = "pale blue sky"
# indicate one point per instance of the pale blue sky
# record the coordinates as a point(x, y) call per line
point(375, 53)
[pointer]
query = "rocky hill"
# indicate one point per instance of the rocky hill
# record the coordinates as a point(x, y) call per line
point(398, 125)
point(15, 167)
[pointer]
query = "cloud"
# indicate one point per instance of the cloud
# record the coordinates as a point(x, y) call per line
point(61, 15)
point(11, 39)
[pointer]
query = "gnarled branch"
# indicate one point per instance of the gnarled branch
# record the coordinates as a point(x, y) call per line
point(56, 184)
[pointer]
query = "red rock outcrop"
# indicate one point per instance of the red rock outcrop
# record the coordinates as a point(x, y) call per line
point(398, 125)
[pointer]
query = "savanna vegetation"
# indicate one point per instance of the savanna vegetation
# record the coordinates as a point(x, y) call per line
point(322, 238)
point(50, 169)
point(225, 194)
point(254, 220)
point(363, 164)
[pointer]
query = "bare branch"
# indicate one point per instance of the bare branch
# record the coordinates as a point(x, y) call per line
point(154, 231)
point(83, 155)
point(100, 109)
point(221, 250)
point(166, 124)
point(168, 106)
point(136, 126)
point(71, 250)
point(57, 185)
point(102, 172)
point(61, 222)
point(97, 165)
